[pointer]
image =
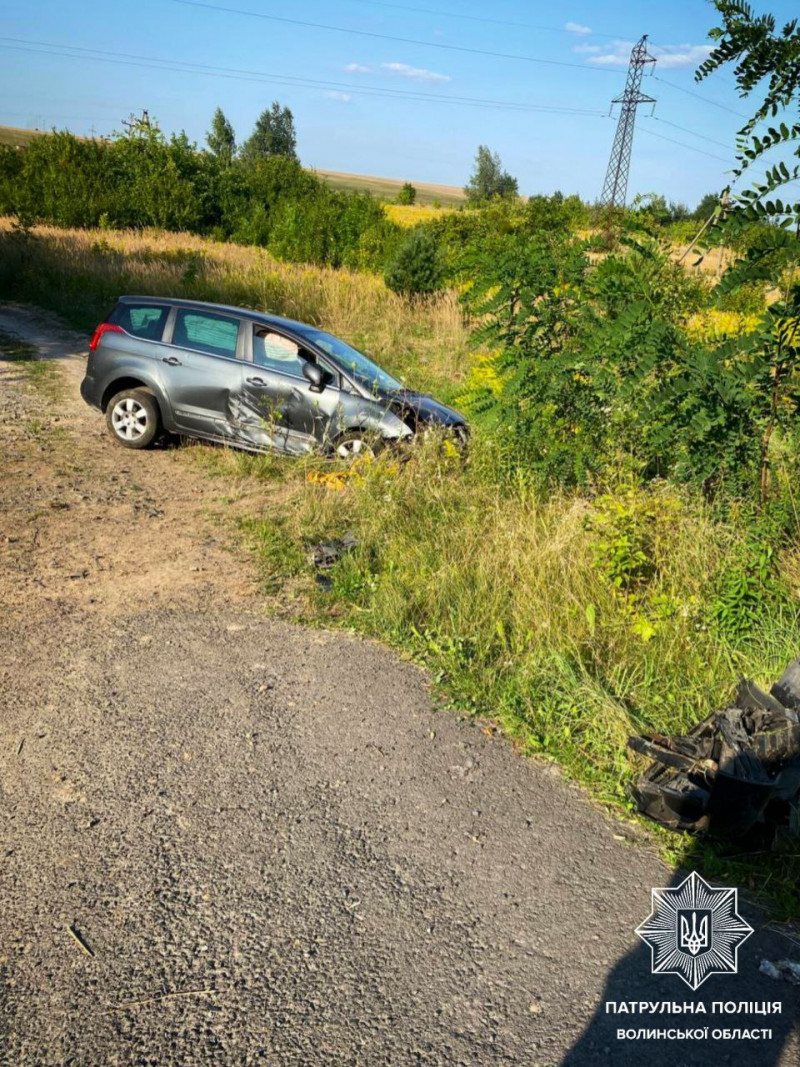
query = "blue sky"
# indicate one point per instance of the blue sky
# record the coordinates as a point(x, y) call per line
point(401, 47)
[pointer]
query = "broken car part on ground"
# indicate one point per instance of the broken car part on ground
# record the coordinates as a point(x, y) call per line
point(736, 774)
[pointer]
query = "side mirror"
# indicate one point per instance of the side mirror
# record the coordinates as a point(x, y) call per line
point(314, 374)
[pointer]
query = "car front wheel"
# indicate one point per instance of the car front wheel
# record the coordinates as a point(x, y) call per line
point(355, 445)
point(133, 419)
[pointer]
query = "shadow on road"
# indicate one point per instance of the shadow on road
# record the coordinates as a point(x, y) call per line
point(631, 981)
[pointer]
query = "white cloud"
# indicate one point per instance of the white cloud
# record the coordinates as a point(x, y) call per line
point(667, 56)
point(682, 55)
point(416, 73)
point(334, 94)
point(575, 27)
point(357, 68)
point(620, 57)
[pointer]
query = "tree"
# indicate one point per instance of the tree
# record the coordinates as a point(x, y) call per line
point(765, 60)
point(407, 195)
point(274, 135)
point(221, 138)
point(706, 208)
point(416, 268)
point(489, 180)
point(656, 206)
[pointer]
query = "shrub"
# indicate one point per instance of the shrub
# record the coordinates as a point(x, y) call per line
point(407, 195)
point(415, 269)
point(147, 180)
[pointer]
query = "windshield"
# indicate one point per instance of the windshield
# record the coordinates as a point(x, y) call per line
point(365, 372)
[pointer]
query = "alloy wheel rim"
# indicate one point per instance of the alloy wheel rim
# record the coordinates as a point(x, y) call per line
point(353, 449)
point(129, 419)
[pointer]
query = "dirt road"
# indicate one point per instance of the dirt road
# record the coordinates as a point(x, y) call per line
point(225, 839)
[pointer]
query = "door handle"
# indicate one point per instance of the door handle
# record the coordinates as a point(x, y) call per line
point(172, 360)
point(256, 381)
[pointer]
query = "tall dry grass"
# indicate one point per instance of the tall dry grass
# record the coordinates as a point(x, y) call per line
point(80, 273)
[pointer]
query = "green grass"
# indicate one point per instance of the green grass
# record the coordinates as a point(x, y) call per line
point(505, 597)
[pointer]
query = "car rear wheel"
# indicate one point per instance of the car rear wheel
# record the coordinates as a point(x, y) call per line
point(132, 417)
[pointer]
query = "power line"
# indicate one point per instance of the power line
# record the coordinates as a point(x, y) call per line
point(237, 74)
point(691, 147)
point(478, 18)
point(719, 77)
point(184, 67)
point(683, 89)
point(439, 45)
point(685, 129)
point(233, 73)
point(390, 37)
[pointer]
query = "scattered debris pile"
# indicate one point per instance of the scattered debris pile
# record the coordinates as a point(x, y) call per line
point(737, 774)
point(323, 555)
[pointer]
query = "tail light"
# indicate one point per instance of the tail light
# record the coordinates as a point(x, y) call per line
point(104, 327)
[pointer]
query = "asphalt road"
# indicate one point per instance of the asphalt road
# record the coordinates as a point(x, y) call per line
point(225, 839)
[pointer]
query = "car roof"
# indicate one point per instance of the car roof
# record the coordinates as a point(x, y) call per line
point(230, 309)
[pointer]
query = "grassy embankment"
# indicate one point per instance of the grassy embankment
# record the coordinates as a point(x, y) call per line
point(503, 593)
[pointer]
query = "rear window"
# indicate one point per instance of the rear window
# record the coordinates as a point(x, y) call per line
point(141, 320)
point(204, 332)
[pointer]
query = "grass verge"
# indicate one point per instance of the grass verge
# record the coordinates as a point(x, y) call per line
point(507, 599)
point(571, 621)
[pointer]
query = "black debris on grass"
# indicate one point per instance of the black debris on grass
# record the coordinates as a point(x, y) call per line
point(737, 774)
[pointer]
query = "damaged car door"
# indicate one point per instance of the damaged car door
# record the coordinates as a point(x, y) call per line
point(291, 400)
point(202, 370)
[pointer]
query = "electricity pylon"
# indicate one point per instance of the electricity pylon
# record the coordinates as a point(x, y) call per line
point(140, 125)
point(616, 183)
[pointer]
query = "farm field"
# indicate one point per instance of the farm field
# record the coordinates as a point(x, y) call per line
point(388, 188)
point(17, 135)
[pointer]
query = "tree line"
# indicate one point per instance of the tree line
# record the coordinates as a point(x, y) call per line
point(257, 193)
point(254, 194)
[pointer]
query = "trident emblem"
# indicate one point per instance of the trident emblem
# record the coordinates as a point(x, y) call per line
point(695, 938)
point(694, 930)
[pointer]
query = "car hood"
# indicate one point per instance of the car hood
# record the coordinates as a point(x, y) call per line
point(424, 408)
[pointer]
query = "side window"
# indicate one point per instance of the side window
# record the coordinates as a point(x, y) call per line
point(276, 352)
point(142, 320)
point(202, 331)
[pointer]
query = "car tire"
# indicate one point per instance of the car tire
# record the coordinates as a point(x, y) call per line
point(355, 445)
point(133, 418)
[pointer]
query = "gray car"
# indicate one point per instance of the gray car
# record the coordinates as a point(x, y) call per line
point(255, 381)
